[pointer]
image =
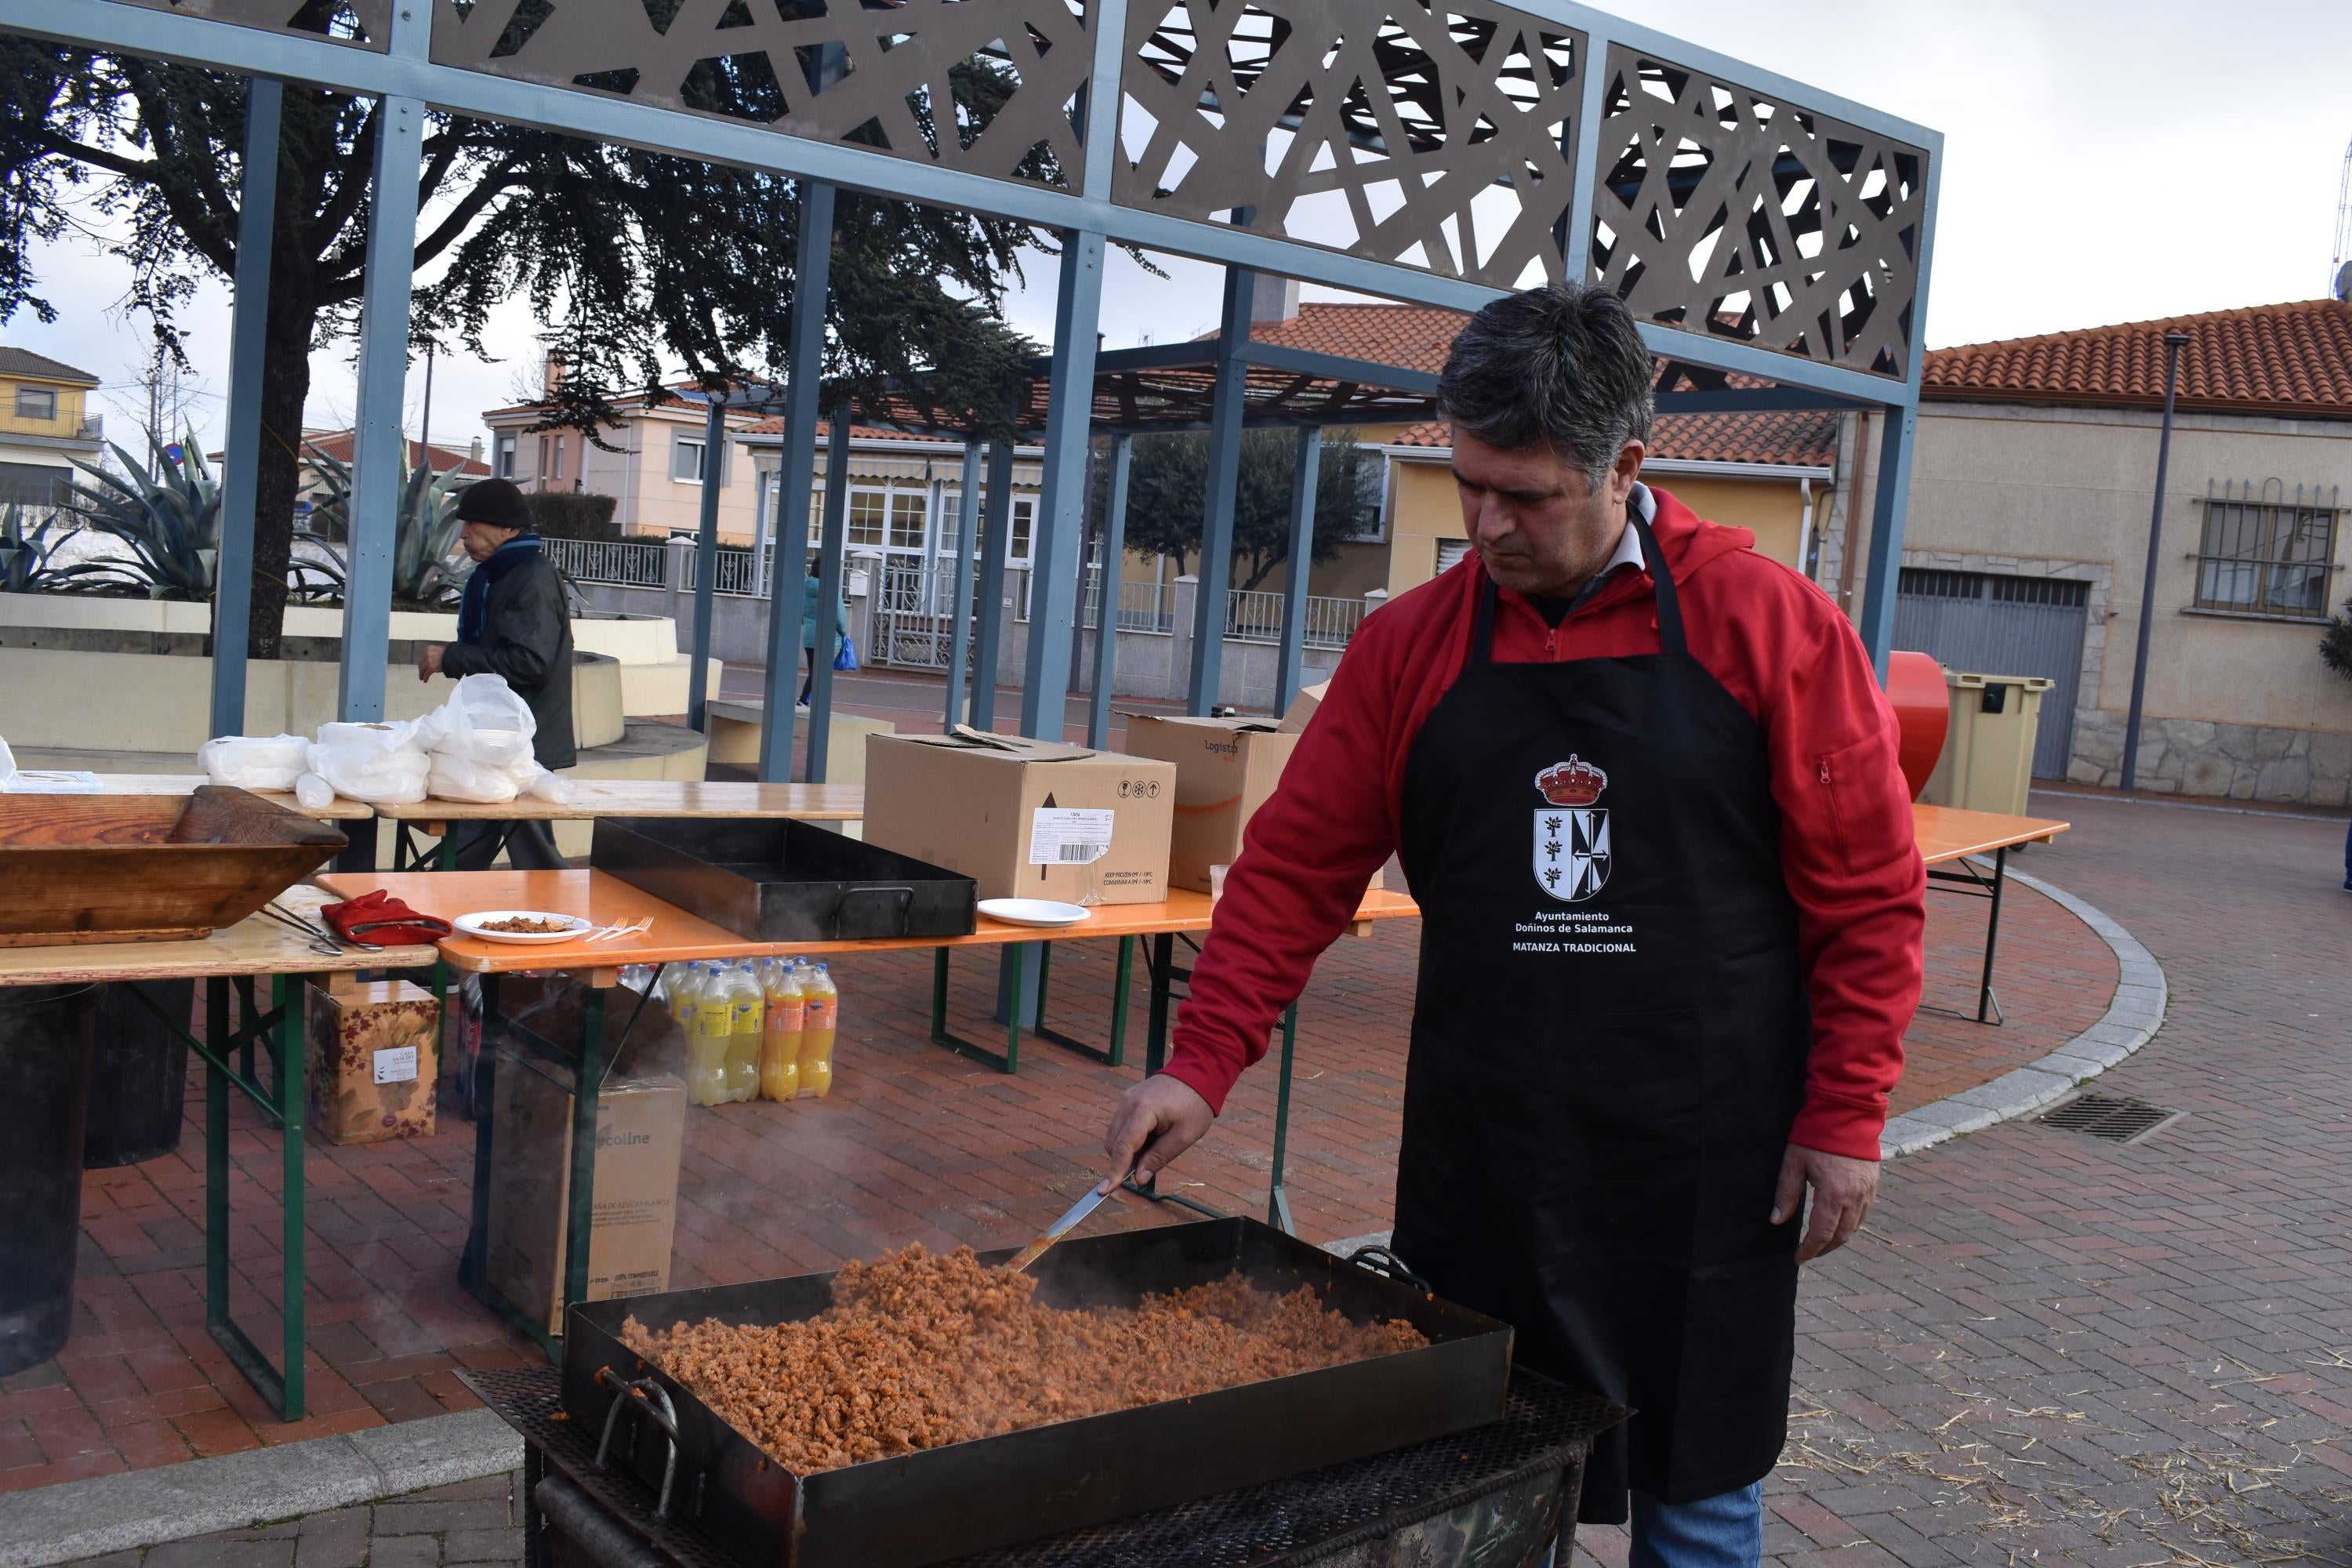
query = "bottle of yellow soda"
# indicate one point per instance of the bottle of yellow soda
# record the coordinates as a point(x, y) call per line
point(744, 1004)
point(706, 1059)
point(779, 1037)
point(819, 1020)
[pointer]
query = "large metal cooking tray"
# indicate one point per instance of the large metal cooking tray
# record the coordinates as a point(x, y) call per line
point(775, 879)
point(101, 868)
point(942, 1503)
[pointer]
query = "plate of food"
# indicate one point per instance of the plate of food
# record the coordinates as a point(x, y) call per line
point(1045, 912)
point(522, 925)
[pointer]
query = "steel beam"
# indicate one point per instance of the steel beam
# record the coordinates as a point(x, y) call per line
point(1217, 512)
point(995, 542)
point(787, 580)
point(830, 545)
point(1122, 459)
point(257, 221)
point(1303, 479)
point(1895, 437)
point(1755, 399)
point(201, 41)
point(1058, 536)
point(379, 454)
point(967, 550)
point(706, 559)
point(1337, 367)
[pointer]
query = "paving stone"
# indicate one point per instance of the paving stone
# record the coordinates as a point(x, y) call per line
point(435, 1517)
point(221, 1551)
point(404, 1551)
point(482, 1546)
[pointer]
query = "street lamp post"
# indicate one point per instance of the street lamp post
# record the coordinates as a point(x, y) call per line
point(2173, 343)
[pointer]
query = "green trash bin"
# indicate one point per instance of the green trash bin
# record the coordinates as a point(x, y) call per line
point(1988, 760)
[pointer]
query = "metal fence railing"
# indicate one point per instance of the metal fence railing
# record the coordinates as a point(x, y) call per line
point(618, 562)
point(1256, 616)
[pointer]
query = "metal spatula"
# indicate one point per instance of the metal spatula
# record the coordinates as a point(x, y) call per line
point(1055, 1231)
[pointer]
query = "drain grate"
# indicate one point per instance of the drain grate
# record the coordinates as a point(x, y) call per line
point(2117, 1120)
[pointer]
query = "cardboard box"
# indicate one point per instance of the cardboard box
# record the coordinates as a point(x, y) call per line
point(1225, 769)
point(1028, 819)
point(1303, 706)
point(375, 1060)
point(640, 1125)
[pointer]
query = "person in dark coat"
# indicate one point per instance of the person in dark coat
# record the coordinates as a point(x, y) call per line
point(512, 621)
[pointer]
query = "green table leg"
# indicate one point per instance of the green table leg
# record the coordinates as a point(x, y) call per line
point(1277, 1202)
point(1116, 1055)
point(1163, 979)
point(292, 1067)
point(586, 1090)
point(216, 1158)
point(1009, 1060)
point(471, 1272)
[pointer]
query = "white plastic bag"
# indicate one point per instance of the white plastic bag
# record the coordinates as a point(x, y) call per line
point(254, 762)
point(380, 764)
point(314, 793)
point(480, 742)
point(550, 787)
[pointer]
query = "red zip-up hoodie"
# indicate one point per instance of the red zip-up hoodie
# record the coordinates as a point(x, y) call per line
point(1778, 646)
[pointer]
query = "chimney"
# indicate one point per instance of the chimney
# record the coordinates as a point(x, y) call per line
point(474, 450)
point(552, 378)
point(1274, 299)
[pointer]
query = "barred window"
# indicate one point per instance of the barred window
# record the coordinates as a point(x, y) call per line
point(2267, 560)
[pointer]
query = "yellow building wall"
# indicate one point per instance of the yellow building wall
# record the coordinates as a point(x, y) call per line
point(69, 408)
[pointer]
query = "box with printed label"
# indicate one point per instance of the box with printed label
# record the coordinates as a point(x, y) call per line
point(373, 1051)
point(1225, 769)
point(1025, 819)
point(1303, 706)
point(640, 1126)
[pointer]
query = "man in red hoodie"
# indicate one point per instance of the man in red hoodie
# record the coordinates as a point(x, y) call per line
point(1644, 785)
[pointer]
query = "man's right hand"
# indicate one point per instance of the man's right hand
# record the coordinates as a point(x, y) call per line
point(1158, 1119)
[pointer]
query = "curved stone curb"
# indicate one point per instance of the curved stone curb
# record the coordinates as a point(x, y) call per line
point(74, 1519)
point(2132, 1020)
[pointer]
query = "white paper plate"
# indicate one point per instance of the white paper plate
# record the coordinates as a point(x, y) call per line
point(473, 924)
point(1031, 911)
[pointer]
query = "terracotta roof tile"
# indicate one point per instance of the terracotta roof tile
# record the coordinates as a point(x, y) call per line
point(856, 432)
point(25, 362)
point(1412, 337)
point(2291, 359)
point(338, 445)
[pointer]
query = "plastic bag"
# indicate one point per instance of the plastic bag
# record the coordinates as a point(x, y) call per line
point(380, 764)
point(254, 762)
point(845, 656)
point(314, 793)
point(480, 742)
point(550, 787)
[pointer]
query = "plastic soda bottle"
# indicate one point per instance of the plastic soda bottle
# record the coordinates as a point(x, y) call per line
point(779, 1037)
point(820, 1019)
point(744, 1004)
point(706, 1059)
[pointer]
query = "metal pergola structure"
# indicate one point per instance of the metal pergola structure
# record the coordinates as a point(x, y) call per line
point(1774, 240)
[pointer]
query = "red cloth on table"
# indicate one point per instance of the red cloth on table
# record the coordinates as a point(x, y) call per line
point(379, 920)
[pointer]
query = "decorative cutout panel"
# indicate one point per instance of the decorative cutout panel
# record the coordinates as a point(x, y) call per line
point(985, 87)
point(360, 22)
point(1434, 135)
point(1717, 210)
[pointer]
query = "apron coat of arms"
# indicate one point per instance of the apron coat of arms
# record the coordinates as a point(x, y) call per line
point(1571, 833)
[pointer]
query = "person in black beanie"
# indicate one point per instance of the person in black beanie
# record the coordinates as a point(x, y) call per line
point(511, 621)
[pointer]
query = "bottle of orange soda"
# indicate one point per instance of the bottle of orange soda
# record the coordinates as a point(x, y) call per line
point(822, 1018)
point(780, 1039)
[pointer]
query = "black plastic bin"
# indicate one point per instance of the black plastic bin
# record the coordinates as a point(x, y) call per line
point(46, 1035)
point(776, 879)
point(139, 1073)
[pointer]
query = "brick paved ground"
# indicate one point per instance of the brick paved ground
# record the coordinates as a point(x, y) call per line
point(473, 1521)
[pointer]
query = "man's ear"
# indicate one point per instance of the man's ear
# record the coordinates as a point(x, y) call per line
point(1625, 470)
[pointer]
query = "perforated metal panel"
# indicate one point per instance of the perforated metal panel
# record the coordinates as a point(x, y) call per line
point(2003, 626)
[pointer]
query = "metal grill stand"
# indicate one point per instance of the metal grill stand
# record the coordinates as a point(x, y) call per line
point(1497, 1497)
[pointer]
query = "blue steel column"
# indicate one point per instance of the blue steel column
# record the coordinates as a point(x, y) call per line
point(1058, 537)
point(706, 561)
point(967, 550)
point(1895, 442)
point(787, 580)
point(828, 589)
point(995, 540)
point(1122, 460)
point(1225, 473)
point(256, 218)
point(1303, 479)
point(379, 454)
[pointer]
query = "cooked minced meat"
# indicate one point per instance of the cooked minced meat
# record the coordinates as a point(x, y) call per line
point(919, 1350)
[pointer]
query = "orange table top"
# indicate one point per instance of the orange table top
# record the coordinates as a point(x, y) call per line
point(1947, 833)
point(676, 936)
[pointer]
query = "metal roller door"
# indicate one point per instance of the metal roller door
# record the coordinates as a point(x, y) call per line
point(2003, 626)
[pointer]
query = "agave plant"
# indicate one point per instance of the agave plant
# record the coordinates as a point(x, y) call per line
point(171, 525)
point(27, 559)
point(427, 567)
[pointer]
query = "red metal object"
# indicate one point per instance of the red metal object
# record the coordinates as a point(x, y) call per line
point(1923, 713)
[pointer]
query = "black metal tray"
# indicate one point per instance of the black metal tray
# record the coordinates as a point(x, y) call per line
point(942, 1503)
point(775, 879)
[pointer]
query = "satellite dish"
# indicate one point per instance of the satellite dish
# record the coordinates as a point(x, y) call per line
point(2344, 282)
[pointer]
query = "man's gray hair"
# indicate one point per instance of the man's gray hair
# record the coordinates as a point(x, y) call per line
point(1563, 366)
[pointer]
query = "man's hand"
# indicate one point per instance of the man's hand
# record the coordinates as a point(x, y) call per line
point(1843, 1191)
point(429, 660)
point(1157, 1120)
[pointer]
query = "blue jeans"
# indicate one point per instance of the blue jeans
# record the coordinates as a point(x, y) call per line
point(1726, 1530)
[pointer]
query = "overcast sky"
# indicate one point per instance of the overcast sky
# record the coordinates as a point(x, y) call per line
point(2104, 161)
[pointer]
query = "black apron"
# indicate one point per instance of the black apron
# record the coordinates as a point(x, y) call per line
point(1608, 1047)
